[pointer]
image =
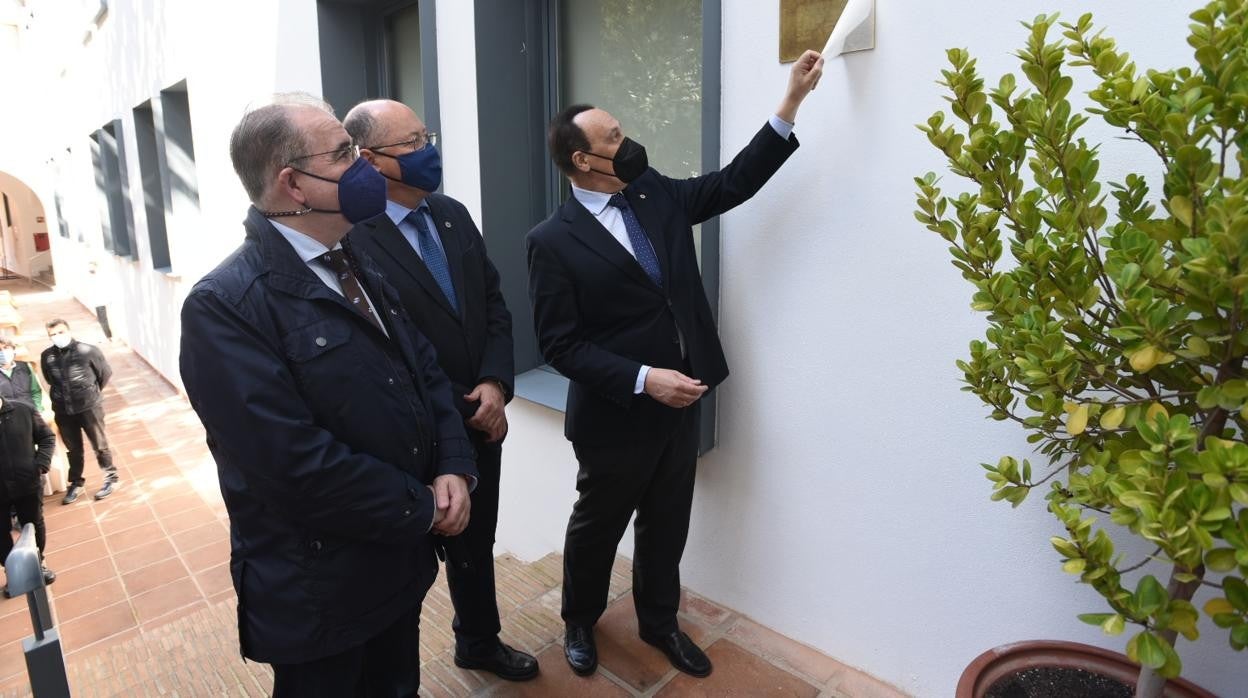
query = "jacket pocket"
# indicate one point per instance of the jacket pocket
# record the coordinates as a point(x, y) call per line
point(312, 341)
point(322, 361)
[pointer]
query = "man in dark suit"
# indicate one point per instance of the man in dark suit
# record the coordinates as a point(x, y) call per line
point(620, 310)
point(431, 252)
point(337, 444)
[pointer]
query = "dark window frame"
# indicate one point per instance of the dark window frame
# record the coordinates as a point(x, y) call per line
point(371, 77)
point(147, 137)
point(112, 182)
point(179, 188)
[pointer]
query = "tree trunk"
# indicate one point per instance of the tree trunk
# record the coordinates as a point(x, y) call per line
point(1150, 684)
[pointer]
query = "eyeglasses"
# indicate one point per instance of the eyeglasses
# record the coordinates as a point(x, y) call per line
point(417, 143)
point(349, 153)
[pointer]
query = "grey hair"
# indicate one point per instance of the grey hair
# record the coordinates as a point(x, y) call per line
point(266, 140)
point(363, 125)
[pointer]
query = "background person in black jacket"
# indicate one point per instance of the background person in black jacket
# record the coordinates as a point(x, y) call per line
point(76, 373)
point(337, 445)
point(620, 310)
point(26, 447)
point(433, 254)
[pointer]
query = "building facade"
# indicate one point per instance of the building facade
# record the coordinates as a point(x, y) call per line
point(840, 500)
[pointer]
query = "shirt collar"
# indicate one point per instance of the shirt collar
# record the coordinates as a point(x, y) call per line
point(595, 201)
point(398, 212)
point(305, 246)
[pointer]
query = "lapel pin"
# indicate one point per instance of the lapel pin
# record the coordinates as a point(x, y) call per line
point(642, 195)
point(447, 224)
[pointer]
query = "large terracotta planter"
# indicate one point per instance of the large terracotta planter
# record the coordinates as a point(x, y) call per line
point(1003, 661)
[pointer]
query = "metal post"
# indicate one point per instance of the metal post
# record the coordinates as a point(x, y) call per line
point(45, 664)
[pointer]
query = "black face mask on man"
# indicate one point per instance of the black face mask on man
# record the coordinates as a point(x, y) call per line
point(630, 161)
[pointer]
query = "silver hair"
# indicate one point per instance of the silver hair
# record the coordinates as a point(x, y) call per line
point(266, 140)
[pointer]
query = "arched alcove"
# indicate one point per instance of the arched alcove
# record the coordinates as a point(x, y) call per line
point(24, 236)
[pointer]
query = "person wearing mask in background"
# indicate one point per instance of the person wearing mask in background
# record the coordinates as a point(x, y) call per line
point(17, 379)
point(26, 447)
point(18, 382)
point(337, 444)
point(619, 308)
point(76, 373)
point(430, 250)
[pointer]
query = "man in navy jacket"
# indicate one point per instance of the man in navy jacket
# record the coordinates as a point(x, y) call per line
point(620, 310)
point(338, 447)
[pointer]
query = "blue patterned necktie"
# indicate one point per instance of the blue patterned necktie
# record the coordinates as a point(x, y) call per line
point(637, 236)
point(435, 258)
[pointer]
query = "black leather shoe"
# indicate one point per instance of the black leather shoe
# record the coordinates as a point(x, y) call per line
point(72, 494)
point(504, 661)
point(681, 652)
point(109, 487)
point(48, 576)
point(579, 648)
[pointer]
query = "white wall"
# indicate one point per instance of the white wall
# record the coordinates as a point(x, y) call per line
point(457, 98)
point(230, 53)
point(845, 505)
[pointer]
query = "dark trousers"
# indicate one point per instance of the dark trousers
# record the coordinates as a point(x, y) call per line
point(653, 477)
point(72, 427)
point(476, 623)
point(387, 666)
point(29, 510)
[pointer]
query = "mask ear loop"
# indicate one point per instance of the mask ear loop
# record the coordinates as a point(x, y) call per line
point(306, 208)
point(604, 157)
point(393, 157)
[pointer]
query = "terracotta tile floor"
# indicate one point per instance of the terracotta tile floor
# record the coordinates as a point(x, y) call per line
point(145, 606)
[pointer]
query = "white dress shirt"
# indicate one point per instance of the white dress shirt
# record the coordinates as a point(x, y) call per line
point(610, 217)
point(310, 251)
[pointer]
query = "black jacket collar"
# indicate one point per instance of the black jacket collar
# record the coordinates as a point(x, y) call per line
point(586, 228)
point(289, 274)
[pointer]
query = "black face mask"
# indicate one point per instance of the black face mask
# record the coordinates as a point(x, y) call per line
point(630, 161)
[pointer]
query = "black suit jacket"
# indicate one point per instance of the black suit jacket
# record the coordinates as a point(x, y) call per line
point(599, 318)
point(473, 344)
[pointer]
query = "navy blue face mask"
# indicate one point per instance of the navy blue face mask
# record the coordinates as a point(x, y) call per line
point(361, 191)
point(420, 168)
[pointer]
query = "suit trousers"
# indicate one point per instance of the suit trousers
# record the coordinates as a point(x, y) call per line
point(72, 427)
point(387, 666)
point(476, 623)
point(29, 510)
point(653, 478)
